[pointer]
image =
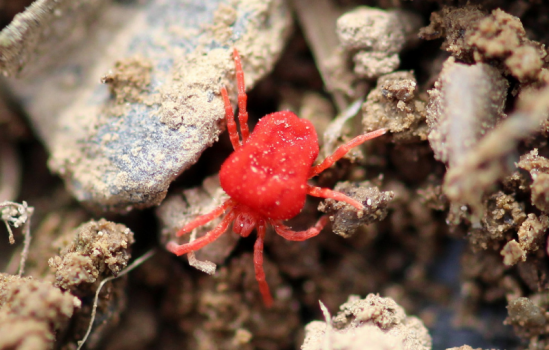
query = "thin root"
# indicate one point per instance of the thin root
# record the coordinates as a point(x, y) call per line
point(15, 214)
point(130, 267)
point(328, 332)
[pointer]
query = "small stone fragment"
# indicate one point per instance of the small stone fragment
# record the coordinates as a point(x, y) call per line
point(393, 105)
point(375, 37)
point(526, 318)
point(488, 161)
point(513, 253)
point(370, 323)
point(466, 102)
point(502, 36)
point(502, 215)
point(538, 167)
point(540, 192)
point(532, 232)
point(90, 253)
point(451, 24)
point(345, 218)
point(99, 248)
point(165, 64)
point(498, 38)
point(373, 64)
point(43, 33)
point(517, 182)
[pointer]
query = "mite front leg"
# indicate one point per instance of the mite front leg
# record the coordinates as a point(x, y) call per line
point(338, 196)
point(342, 150)
point(242, 97)
point(229, 118)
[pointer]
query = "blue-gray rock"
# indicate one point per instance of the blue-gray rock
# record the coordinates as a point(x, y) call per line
point(139, 99)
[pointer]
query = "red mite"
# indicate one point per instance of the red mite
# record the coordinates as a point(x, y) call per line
point(266, 178)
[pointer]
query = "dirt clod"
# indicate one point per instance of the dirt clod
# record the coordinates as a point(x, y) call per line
point(99, 248)
point(32, 312)
point(473, 36)
point(538, 167)
point(373, 322)
point(526, 317)
point(345, 218)
point(376, 37)
point(394, 105)
point(128, 79)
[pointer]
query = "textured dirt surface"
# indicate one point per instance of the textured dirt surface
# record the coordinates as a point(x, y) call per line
point(31, 312)
point(450, 252)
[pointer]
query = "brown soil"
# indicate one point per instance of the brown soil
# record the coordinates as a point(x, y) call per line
point(453, 237)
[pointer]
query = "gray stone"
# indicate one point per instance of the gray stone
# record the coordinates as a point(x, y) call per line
point(120, 143)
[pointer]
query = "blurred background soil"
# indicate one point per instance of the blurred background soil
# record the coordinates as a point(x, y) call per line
point(458, 196)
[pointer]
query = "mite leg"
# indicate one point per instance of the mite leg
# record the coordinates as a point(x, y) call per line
point(258, 265)
point(242, 97)
point(291, 235)
point(202, 241)
point(204, 219)
point(338, 196)
point(342, 151)
point(229, 117)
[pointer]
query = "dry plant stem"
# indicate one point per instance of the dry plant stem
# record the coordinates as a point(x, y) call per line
point(13, 265)
point(132, 266)
point(335, 128)
point(317, 19)
point(18, 214)
point(10, 172)
point(463, 183)
point(328, 332)
point(202, 265)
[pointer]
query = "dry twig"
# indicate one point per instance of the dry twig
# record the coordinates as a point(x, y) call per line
point(130, 267)
point(204, 266)
point(15, 214)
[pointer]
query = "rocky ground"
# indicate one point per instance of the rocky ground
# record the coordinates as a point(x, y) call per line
point(112, 134)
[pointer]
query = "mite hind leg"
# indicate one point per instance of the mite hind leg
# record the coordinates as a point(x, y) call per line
point(180, 249)
point(258, 264)
point(204, 219)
